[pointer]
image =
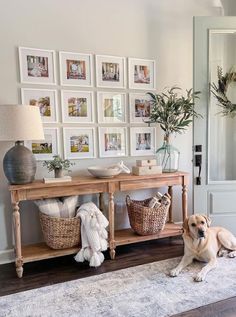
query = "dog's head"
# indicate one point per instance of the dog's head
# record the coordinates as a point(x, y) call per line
point(196, 226)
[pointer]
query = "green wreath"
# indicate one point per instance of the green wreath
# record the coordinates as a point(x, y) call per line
point(220, 91)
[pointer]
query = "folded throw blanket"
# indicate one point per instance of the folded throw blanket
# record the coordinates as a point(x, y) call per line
point(93, 234)
point(60, 208)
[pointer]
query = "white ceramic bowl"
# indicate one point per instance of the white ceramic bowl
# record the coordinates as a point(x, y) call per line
point(103, 172)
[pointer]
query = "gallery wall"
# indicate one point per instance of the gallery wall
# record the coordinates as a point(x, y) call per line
point(150, 29)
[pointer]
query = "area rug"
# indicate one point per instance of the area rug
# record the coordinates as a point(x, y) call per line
point(144, 290)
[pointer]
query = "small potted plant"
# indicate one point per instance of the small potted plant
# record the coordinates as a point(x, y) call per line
point(174, 113)
point(58, 165)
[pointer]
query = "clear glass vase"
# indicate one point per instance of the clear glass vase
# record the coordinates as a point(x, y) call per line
point(168, 157)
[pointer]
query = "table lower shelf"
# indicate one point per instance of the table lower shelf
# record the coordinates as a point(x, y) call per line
point(41, 251)
point(128, 236)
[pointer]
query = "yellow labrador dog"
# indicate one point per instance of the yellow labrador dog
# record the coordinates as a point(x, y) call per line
point(204, 244)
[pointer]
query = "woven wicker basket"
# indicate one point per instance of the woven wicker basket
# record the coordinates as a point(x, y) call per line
point(145, 220)
point(60, 233)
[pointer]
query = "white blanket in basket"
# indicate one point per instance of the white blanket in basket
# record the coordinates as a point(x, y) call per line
point(60, 208)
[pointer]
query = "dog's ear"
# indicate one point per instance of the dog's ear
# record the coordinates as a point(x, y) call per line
point(185, 225)
point(208, 220)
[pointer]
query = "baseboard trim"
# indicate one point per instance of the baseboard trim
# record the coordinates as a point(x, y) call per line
point(7, 256)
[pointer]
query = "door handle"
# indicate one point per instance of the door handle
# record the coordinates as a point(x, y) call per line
point(198, 163)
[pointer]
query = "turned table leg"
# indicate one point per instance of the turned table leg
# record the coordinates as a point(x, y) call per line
point(111, 227)
point(17, 234)
point(184, 202)
point(170, 192)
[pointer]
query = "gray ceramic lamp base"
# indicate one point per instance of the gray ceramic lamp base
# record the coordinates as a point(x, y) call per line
point(19, 164)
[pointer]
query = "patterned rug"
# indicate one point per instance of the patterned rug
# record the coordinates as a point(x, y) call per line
point(144, 290)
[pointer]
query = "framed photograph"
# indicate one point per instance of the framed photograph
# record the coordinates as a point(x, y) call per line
point(77, 106)
point(45, 149)
point(79, 143)
point(112, 142)
point(142, 74)
point(37, 66)
point(111, 107)
point(45, 99)
point(75, 69)
point(140, 108)
point(142, 141)
point(110, 71)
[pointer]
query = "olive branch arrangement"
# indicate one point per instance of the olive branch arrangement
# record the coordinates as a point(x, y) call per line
point(219, 91)
point(174, 113)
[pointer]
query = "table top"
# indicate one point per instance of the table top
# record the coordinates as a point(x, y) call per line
point(79, 180)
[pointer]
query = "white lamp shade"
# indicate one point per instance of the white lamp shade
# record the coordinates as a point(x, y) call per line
point(20, 123)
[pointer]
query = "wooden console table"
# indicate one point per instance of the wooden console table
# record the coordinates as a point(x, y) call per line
point(91, 185)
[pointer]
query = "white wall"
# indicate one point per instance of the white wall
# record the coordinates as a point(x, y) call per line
point(229, 7)
point(160, 30)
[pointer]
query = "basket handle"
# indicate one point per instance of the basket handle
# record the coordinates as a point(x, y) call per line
point(128, 200)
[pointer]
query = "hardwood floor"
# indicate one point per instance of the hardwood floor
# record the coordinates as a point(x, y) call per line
point(224, 308)
point(48, 272)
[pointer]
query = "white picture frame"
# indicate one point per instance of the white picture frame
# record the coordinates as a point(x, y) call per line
point(47, 148)
point(45, 99)
point(37, 66)
point(142, 141)
point(140, 107)
point(76, 69)
point(111, 107)
point(77, 106)
point(142, 73)
point(79, 143)
point(110, 71)
point(113, 142)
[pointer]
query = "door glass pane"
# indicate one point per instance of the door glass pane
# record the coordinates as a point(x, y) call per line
point(221, 129)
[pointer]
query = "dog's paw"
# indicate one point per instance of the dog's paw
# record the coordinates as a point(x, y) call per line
point(223, 252)
point(199, 277)
point(174, 272)
point(232, 254)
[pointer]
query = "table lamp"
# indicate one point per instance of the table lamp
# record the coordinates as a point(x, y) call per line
point(20, 123)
